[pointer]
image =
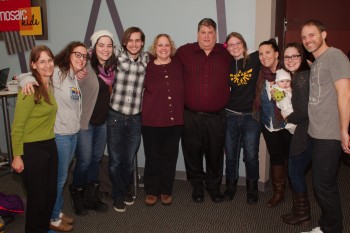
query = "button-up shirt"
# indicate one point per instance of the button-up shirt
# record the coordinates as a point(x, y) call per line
point(205, 77)
point(126, 96)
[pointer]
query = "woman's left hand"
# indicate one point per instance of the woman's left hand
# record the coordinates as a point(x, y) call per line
point(17, 164)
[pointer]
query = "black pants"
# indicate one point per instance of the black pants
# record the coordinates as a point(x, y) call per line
point(277, 143)
point(161, 145)
point(204, 134)
point(40, 180)
point(325, 164)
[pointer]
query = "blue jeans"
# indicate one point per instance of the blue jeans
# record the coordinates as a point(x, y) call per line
point(242, 131)
point(89, 152)
point(123, 142)
point(325, 163)
point(66, 145)
point(297, 165)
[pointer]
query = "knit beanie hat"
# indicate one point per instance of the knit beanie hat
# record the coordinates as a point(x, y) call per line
point(94, 38)
point(281, 74)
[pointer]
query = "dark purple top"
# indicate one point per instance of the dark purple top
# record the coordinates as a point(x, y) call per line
point(206, 77)
point(163, 97)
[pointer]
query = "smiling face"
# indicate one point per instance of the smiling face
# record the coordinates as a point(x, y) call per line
point(206, 38)
point(292, 59)
point(44, 65)
point(134, 44)
point(104, 49)
point(163, 48)
point(235, 47)
point(268, 57)
point(78, 58)
point(313, 40)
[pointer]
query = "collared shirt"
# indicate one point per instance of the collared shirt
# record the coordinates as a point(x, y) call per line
point(128, 82)
point(205, 77)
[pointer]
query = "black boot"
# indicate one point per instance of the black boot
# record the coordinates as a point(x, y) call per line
point(92, 199)
point(77, 202)
point(252, 192)
point(230, 191)
point(301, 211)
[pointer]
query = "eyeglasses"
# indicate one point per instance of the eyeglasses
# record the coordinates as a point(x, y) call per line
point(79, 55)
point(293, 57)
point(238, 44)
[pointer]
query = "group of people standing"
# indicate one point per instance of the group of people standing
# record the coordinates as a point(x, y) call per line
point(216, 98)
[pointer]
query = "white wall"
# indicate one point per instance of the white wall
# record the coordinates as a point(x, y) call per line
point(68, 19)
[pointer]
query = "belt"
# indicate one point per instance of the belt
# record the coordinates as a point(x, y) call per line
point(238, 113)
point(205, 113)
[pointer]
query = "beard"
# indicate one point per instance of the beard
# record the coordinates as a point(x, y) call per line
point(318, 44)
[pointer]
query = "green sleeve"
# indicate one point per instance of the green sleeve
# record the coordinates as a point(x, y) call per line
point(23, 109)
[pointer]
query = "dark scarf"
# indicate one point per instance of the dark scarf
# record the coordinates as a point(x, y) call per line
point(265, 75)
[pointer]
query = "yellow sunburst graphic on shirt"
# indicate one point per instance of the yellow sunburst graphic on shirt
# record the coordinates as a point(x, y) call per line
point(241, 78)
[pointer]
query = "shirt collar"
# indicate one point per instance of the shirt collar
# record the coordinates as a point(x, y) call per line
point(215, 49)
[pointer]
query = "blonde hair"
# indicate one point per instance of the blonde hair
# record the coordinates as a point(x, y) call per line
point(152, 48)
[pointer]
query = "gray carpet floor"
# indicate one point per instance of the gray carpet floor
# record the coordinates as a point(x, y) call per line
point(186, 216)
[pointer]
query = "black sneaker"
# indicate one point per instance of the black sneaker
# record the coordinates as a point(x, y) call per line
point(119, 206)
point(128, 199)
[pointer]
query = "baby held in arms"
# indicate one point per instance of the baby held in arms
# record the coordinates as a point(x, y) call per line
point(283, 96)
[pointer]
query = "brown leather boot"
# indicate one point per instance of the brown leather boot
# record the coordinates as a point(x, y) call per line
point(278, 176)
point(290, 214)
point(301, 211)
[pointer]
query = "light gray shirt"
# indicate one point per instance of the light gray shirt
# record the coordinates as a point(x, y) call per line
point(331, 66)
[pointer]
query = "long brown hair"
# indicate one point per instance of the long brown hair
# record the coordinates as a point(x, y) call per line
point(304, 65)
point(41, 90)
point(240, 37)
point(266, 74)
point(62, 59)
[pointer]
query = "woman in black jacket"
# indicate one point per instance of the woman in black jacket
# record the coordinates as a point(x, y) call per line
point(294, 61)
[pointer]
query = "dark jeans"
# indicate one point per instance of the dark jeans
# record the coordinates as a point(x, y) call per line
point(204, 134)
point(161, 145)
point(277, 143)
point(123, 141)
point(90, 148)
point(242, 131)
point(40, 180)
point(325, 163)
point(297, 166)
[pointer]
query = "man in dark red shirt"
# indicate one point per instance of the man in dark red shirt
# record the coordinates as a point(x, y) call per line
point(206, 74)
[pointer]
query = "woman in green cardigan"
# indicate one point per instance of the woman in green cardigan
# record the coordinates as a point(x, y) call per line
point(33, 142)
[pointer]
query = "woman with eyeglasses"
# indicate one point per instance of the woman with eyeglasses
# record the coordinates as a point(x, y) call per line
point(68, 62)
point(294, 61)
point(277, 138)
point(242, 130)
point(34, 147)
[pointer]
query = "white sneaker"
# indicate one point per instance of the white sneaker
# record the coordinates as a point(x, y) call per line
point(315, 230)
